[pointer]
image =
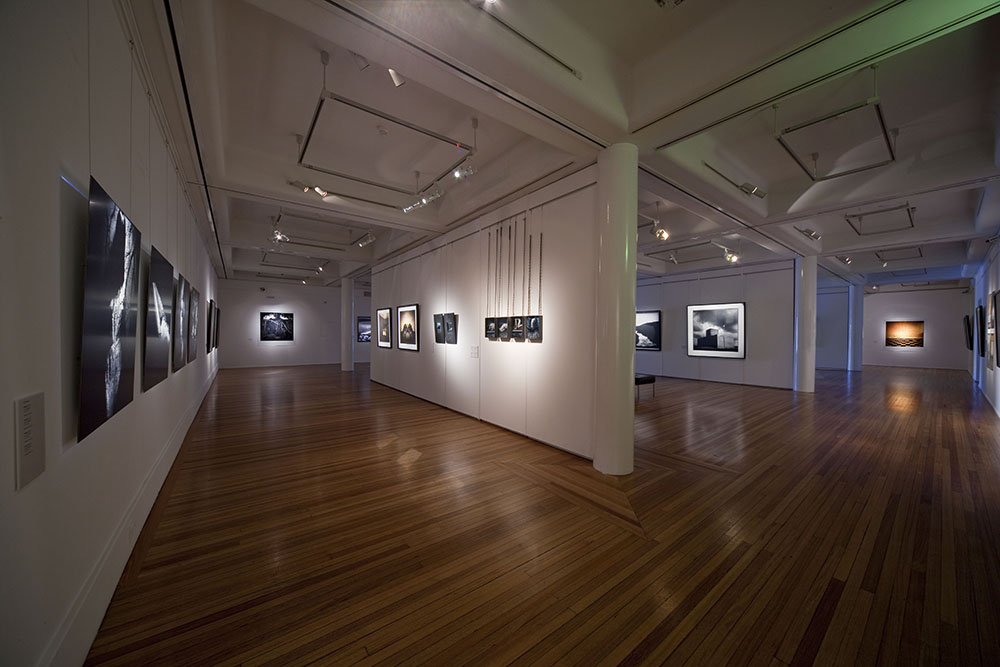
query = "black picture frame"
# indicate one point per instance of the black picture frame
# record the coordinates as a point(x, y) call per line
point(490, 330)
point(277, 327)
point(981, 330)
point(194, 323)
point(533, 328)
point(996, 314)
point(209, 322)
point(179, 355)
point(159, 320)
point(647, 330)
point(450, 328)
point(218, 321)
point(110, 312)
point(363, 329)
point(439, 328)
point(383, 327)
point(503, 328)
point(517, 328)
point(408, 327)
point(968, 333)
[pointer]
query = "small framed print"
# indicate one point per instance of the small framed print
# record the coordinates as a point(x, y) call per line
point(533, 328)
point(491, 328)
point(517, 328)
point(438, 328)
point(407, 322)
point(503, 328)
point(450, 328)
point(383, 320)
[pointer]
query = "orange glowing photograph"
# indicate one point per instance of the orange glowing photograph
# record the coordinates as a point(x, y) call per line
point(904, 334)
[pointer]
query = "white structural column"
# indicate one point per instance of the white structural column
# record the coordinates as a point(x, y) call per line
point(855, 326)
point(347, 324)
point(614, 346)
point(805, 324)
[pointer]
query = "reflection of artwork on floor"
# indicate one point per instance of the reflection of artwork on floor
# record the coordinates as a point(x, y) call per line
point(491, 328)
point(406, 320)
point(110, 311)
point(450, 328)
point(364, 329)
point(716, 330)
point(439, 328)
point(647, 330)
point(904, 334)
point(383, 320)
point(277, 326)
point(194, 308)
point(159, 313)
point(533, 328)
point(503, 328)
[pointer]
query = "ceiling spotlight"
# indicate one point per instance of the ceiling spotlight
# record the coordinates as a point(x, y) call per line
point(659, 232)
point(752, 189)
point(874, 288)
point(731, 257)
point(885, 264)
point(809, 233)
point(845, 259)
point(464, 171)
point(424, 200)
point(672, 258)
point(397, 79)
point(320, 191)
point(319, 268)
point(303, 282)
point(366, 240)
point(360, 61)
point(300, 184)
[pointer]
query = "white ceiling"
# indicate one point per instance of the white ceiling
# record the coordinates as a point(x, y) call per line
point(693, 84)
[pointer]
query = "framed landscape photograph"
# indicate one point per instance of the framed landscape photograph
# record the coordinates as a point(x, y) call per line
point(450, 328)
point(407, 321)
point(647, 330)
point(717, 330)
point(277, 326)
point(439, 328)
point(906, 333)
point(364, 329)
point(383, 322)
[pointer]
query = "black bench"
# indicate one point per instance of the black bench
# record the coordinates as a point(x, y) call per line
point(643, 378)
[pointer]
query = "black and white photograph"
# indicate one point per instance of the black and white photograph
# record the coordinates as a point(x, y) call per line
point(159, 312)
point(407, 321)
point(215, 333)
point(194, 310)
point(180, 323)
point(110, 312)
point(439, 328)
point(981, 330)
point(503, 328)
point(647, 330)
point(968, 332)
point(517, 328)
point(491, 328)
point(277, 326)
point(450, 328)
point(383, 320)
point(209, 323)
point(533, 328)
point(364, 329)
point(716, 330)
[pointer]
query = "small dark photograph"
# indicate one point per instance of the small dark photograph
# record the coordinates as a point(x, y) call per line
point(981, 330)
point(180, 323)
point(409, 334)
point(194, 308)
point(968, 332)
point(110, 312)
point(210, 320)
point(159, 312)
point(215, 333)
point(451, 328)
point(647, 330)
point(533, 328)
point(383, 320)
point(491, 328)
point(438, 328)
point(517, 328)
point(364, 329)
point(277, 326)
point(503, 328)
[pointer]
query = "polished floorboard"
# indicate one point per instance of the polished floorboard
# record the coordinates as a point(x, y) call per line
point(313, 517)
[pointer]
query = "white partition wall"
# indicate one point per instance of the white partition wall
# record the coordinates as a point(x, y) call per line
point(768, 290)
point(833, 328)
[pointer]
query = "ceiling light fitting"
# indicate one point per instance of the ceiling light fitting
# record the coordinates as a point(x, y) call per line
point(424, 200)
point(809, 233)
point(320, 191)
point(885, 265)
point(727, 254)
point(366, 240)
point(845, 259)
point(397, 78)
point(745, 187)
point(464, 171)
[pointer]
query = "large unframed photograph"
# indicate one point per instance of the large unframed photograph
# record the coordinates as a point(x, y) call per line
point(159, 313)
point(110, 311)
point(647, 330)
point(277, 326)
point(717, 330)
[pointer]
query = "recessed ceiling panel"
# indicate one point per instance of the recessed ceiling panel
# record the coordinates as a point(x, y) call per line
point(882, 221)
point(367, 145)
point(898, 254)
point(909, 273)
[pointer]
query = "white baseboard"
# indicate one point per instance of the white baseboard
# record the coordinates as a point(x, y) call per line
point(71, 642)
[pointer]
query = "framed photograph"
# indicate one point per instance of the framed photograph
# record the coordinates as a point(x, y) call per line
point(209, 322)
point(277, 326)
point(491, 328)
point(906, 333)
point(383, 320)
point(517, 327)
point(194, 308)
point(159, 314)
point(503, 328)
point(110, 312)
point(439, 328)
point(451, 328)
point(981, 330)
point(647, 330)
point(717, 330)
point(996, 312)
point(408, 323)
point(533, 328)
point(968, 332)
point(179, 357)
point(364, 329)
point(215, 333)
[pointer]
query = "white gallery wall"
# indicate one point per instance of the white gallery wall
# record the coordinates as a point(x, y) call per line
point(986, 282)
point(768, 290)
point(74, 104)
point(543, 390)
point(941, 310)
point(833, 315)
point(316, 313)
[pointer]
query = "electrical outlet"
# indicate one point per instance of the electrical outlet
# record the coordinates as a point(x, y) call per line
point(29, 438)
point(474, 351)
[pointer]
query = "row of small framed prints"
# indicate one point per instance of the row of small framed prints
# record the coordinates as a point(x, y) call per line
point(515, 327)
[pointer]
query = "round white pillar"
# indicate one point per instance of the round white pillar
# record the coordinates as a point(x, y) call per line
point(855, 326)
point(805, 324)
point(614, 344)
point(347, 324)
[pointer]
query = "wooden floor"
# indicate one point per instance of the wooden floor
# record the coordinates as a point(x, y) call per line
point(315, 518)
